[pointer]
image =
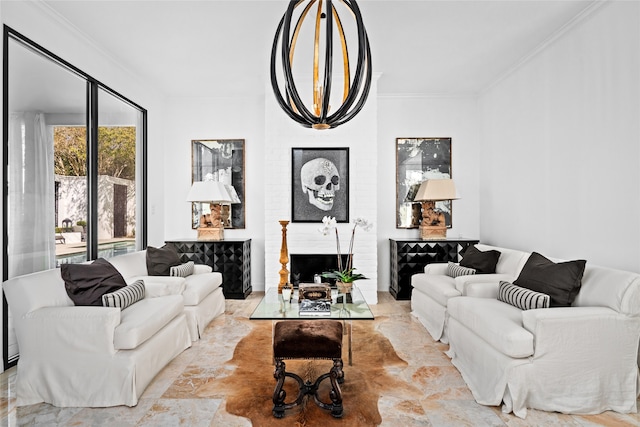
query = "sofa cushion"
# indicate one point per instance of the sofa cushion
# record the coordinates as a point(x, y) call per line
point(561, 281)
point(199, 286)
point(86, 283)
point(144, 319)
point(124, 297)
point(484, 262)
point(497, 323)
point(160, 286)
point(160, 260)
point(455, 270)
point(182, 270)
point(439, 287)
point(131, 264)
point(523, 298)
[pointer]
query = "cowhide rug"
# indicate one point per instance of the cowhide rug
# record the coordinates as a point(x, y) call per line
point(249, 389)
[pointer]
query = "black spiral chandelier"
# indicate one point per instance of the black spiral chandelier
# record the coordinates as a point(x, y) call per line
point(355, 88)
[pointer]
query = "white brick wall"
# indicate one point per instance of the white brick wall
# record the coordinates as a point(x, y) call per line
point(360, 135)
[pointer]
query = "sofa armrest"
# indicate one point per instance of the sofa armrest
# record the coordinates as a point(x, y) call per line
point(58, 331)
point(436, 268)
point(481, 285)
point(201, 269)
point(597, 334)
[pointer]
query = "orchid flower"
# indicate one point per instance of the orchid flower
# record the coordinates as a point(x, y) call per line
point(346, 275)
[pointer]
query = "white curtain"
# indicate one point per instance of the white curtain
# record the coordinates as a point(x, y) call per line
point(31, 205)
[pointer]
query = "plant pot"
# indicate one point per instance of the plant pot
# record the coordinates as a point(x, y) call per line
point(344, 288)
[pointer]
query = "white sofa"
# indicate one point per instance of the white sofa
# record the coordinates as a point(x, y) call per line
point(91, 356)
point(202, 291)
point(581, 359)
point(433, 288)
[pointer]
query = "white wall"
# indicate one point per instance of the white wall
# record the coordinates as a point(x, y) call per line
point(406, 117)
point(561, 146)
point(219, 118)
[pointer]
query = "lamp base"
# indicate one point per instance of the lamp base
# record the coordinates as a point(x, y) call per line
point(210, 233)
point(433, 232)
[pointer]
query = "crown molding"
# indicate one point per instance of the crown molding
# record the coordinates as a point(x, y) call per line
point(568, 26)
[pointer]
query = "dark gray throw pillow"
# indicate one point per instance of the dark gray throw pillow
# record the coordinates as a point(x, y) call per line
point(86, 283)
point(484, 262)
point(561, 281)
point(160, 260)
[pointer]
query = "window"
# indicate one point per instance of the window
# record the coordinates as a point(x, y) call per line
point(74, 170)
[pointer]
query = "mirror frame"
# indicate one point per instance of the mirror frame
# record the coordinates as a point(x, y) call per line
point(419, 159)
point(230, 155)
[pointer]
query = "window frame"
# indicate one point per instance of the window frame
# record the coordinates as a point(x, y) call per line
point(92, 121)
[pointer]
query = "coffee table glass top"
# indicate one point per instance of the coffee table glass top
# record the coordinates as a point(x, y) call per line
point(343, 306)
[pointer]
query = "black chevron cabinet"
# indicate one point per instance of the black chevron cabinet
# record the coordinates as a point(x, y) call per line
point(232, 258)
point(410, 256)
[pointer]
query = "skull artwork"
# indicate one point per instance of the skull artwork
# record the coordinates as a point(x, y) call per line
point(320, 180)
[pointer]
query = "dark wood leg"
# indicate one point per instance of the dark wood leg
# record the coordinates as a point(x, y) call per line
point(279, 394)
point(335, 375)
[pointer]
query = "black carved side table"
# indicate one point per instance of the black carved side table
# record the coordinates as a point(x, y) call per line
point(232, 258)
point(410, 256)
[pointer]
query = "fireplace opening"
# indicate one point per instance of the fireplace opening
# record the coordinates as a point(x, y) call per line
point(302, 267)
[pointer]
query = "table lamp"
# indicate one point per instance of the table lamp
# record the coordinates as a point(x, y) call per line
point(215, 193)
point(433, 225)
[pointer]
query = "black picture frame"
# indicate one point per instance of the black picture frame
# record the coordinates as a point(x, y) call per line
point(418, 159)
point(306, 205)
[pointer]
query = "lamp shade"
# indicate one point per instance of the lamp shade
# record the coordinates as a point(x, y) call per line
point(436, 189)
point(209, 191)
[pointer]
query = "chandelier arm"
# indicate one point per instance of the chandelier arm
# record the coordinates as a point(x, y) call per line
point(364, 58)
point(288, 74)
point(274, 81)
point(346, 72)
point(294, 41)
point(365, 93)
point(315, 86)
point(328, 63)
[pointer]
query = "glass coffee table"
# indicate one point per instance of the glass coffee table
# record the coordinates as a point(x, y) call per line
point(344, 306)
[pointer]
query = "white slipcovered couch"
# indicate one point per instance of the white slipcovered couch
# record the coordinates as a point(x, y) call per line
point(581, 359)
point(93, 356)
point(202, 291)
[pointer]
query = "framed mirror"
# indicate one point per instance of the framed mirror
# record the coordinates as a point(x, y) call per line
point(220, 160)
point(419, 159)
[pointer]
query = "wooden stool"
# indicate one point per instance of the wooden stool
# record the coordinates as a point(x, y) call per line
point(308, 339)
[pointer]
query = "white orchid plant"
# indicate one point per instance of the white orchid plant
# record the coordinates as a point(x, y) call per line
point(346, 274)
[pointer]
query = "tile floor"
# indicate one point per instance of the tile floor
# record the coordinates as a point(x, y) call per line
point(446, 400)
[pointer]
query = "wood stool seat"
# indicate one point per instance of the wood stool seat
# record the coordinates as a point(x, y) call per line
point(308, 339)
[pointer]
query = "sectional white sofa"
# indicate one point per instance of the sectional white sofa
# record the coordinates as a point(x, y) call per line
point(93, 356)
point(581, 359)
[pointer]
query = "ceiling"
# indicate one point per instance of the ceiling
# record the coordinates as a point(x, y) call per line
point(219, 48)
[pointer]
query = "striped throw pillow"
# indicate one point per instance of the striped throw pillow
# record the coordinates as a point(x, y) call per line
point(455, 270)
point(523, 298)
point(182, 270)
point(124, 297)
